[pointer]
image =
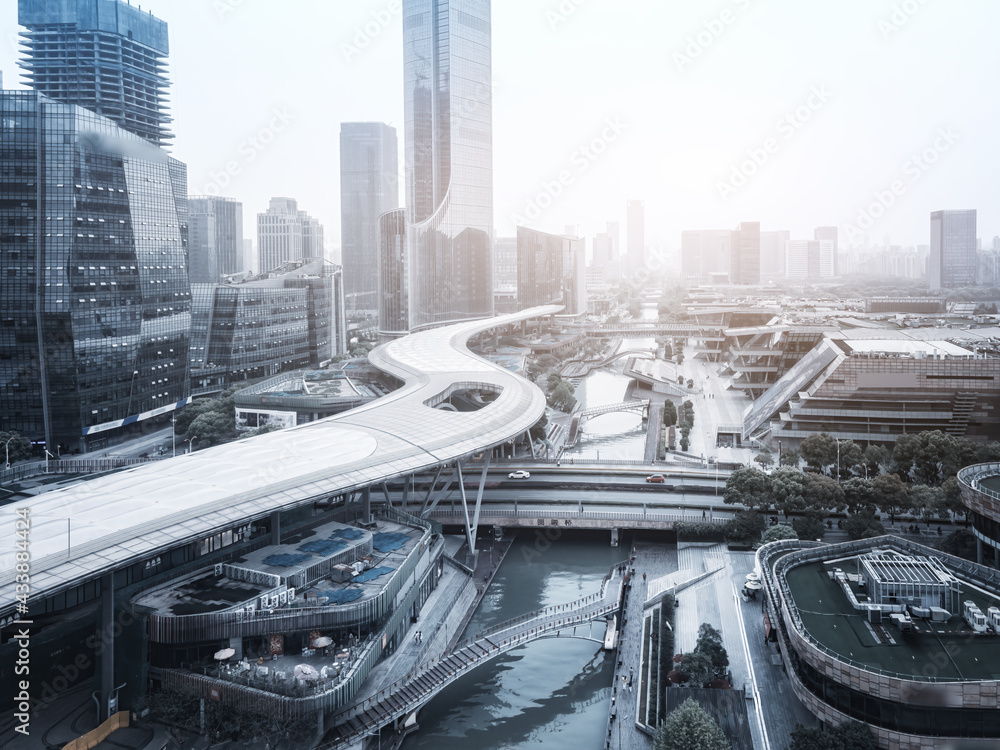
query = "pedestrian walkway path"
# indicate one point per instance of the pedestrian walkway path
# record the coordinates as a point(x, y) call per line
point(655, 561)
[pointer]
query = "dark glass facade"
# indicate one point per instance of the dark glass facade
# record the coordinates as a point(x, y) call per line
point(103, 55)
point(369, 186)
point(215, 243)
point(94, 293)
point(449, 161)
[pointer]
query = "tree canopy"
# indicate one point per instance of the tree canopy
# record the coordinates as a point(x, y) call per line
point(18, 449)
point(689, 727)
point(851, 735)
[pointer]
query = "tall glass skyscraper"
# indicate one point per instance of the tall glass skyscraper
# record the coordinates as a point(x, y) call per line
point(953, 261)
point(369, 186)
point(94, 295)
point(449, 164)
point(104, 55)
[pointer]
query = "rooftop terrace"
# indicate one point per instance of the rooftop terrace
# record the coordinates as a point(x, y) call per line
point(950, 649)
point(305, 558)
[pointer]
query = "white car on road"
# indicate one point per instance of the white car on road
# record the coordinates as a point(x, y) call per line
point(520, 474)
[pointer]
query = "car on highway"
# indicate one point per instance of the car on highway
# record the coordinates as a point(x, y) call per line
point(519, 474)
point(656, 479)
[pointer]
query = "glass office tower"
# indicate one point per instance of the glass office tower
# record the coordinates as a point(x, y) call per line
point(449, 164)
point(94, 294)
point(103, 55)
point(369, 186)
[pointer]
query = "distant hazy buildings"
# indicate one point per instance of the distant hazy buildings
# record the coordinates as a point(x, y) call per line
point(745, 254)
point(103, 55)
point(809, 259)
point(289, 318)
point(94, 293)
point(215, 242)
point(505, 274)
point(772, 253)
point(284, 233)
point(551, 269)
point(446, 272)
point(704, 253)
point(953, 260)
point(636, 257)
point(369, 186)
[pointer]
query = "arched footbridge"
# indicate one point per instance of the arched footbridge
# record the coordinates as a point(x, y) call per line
point(408, 695)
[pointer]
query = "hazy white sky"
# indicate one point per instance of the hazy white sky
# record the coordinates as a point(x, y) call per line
point(836, 102)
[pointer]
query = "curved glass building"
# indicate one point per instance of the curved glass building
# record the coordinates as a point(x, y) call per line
point(449, 168)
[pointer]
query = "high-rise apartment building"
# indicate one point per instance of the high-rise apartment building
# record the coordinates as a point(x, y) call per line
point(94, 293)
point(105, 56)
point(284, 233)
point(604, 250)
point(447, 272)
point(215, 242)
point(830, 234)
point(772, 253)
point(369, 186)
point(953, 260)
point(636, 255)
point(614, 232)
point(745, 254)
point(551, 269)
point(809, 259)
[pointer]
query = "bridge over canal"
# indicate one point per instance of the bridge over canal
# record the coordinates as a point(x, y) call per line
point(403, 698)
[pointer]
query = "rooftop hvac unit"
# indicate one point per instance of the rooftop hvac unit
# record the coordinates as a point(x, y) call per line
point(291, 594)
point(283, 598)
point(218, 569)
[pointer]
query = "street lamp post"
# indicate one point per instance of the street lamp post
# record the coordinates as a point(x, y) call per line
point(6, 446)
point(48, 455)
point(838, 459)
point(173, 434)
point(190, 442)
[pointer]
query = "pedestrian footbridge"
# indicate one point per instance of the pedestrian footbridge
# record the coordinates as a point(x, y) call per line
point(409, 694)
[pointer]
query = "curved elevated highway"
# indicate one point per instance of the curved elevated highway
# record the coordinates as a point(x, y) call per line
point(93, 528)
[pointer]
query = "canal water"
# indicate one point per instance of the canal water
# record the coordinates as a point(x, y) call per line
point(554, 693)
point(615, 435)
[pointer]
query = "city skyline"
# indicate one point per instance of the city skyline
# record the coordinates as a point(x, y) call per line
point(362, 78)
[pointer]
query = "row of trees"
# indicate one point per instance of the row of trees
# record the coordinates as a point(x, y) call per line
point(930, 457)
point(789, 490)
point(685, 420)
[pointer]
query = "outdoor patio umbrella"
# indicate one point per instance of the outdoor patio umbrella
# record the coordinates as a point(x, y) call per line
point(322, 642)
point(306, 672)
point(226, 653)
